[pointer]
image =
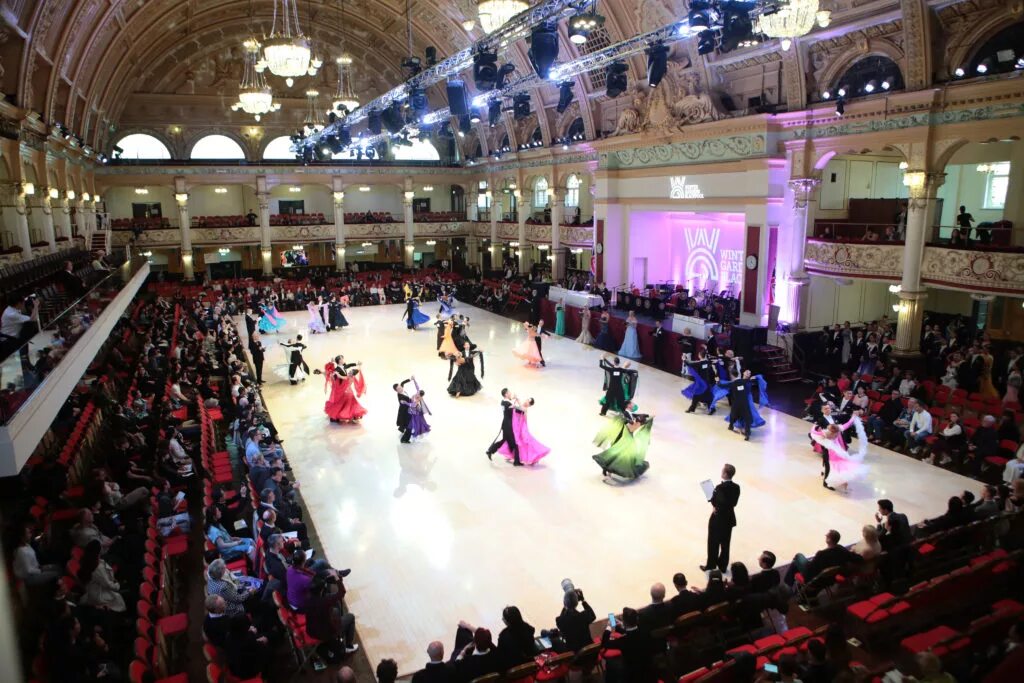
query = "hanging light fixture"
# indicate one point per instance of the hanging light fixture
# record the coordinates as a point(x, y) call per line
point(344, 97)
point(254, 95)
point(494, 14)
point(286, 51)
point(314, 121)
point(791, 19)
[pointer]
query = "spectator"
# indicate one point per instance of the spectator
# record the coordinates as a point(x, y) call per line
point(230, 547)
point(299, 580)
point(220, 582)
point(26, 563)
point(983, 444)
point(658, 613)
point(893, 527)
point(635, 646)
point(387, 671)
point(215, 625)
point(929, 665)
point(101, 588)
point(964, 221)
point(685, 600)
point(951, 439)
point(989, 505)
point(832, 555)
point(768, 578)
point(347, 675)
point(868, 547)
point(436, 670)
point(247, 654)
point(908, 383)
point(574, 624)
point(86, 531)
point(479, 657)
point(515, 642)
point(18, 323)
point(817, 669)
point(919, 429)
point(883, 424)
point(326, 618)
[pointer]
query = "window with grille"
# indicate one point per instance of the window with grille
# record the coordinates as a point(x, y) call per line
point(996, 185)
point(572, 191)
point(598, 40)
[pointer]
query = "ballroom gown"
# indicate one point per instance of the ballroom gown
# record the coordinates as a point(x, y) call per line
point(417, 421)
point(585, 336)
point(344, 403)
point(464, 382)
point(447, 343)
point(560, 320)
point(630, 344)
point(270, 321)
point(627, 454)
point(416, 317)
point(316, 322)
point(335, 318)
point(527, 350)
point(844, 465)
point(530, 450)
point(604, 339)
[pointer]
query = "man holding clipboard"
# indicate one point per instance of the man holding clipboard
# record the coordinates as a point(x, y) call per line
point(723, 498)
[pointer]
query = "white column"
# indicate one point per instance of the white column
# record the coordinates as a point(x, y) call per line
point(63, 222)
point(524, 247)
point(472, 210)
point(802, 221)
point(266, 252)
point(920, 206)
point(185, 228)
point(557, 257)
point(83, 228)
point(46, 205)
point(409, 248)
point(495, 247)
point(339, 230)
point(22, 237)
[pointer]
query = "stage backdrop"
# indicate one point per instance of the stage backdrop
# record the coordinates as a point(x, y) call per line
point(696, 250)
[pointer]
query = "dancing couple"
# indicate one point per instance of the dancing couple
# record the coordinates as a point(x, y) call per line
point(515, 441)
point(742, 410)
point(702, 372)
point(413, 316)
point(620, 384)
point(465, 382)
point(836, 457)
point(270, 321)
point(627, 435)
point(531, 348)
point(295, 359)
point(411, 409)
point(347, 384)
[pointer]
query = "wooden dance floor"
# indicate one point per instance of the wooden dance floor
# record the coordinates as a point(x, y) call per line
point(435, 533)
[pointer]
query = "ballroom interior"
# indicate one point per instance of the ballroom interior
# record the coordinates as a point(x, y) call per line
point(742, 172)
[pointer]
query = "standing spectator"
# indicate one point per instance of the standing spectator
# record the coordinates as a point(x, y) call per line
point(18, 323)
point(965, 221)
point(893, 527)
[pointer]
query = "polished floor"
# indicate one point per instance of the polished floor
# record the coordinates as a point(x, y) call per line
point(435, 533)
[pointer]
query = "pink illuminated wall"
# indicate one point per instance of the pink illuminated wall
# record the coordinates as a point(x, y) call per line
point(695, 250)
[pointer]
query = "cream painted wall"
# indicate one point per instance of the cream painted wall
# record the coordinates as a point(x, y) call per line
point(948, 301)
point(861, 301)
point(203, 200)
point(861, 177)
point(316, 198)
point(119, 201)
point(965, 186)
point(386, 198)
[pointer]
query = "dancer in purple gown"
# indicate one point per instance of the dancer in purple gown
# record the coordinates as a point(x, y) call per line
point(530, 450)
point(417, 410)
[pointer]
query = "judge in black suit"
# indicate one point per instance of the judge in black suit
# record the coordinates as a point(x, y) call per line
point(635, 645)
point(437, 670)
point(403, 409)
point(659, 337)
point(508, 406)
point(257, 352)
point(539, 339)
point(723, 518)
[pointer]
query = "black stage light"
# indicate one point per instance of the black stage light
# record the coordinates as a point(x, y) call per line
point(373, 122)
point(615, 77)
point(345, 136)
point(736, 24)
point(466, 123)
point(564, 96)
point(699, 16)
point(494, 113)
point(521, 106)
point(657, 63)
point(503, 73)
point(706, 42)
point(457, 103)
point(474, 115)
point(418, 101)
point(392, 118)
point(412, 65)
point(485, 70)
point(431, 54)
point(543, 47)
point(582, 25)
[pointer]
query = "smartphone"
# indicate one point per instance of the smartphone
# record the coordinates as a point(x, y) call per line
point(544, 643)
point(770, 668)
point(611, 620)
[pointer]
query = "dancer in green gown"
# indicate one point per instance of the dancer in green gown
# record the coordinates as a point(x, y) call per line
point(560, 318)
point(627, 435)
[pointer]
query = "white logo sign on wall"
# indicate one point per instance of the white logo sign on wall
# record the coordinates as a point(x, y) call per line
point(706, 264)
point(678, 189)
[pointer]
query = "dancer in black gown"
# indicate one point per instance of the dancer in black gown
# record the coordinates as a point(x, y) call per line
point(465, 382)
point(509, 404)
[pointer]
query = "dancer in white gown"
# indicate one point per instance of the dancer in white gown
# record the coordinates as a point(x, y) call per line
point(847, 466)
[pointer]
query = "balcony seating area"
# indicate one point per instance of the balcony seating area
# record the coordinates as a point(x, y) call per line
point(297, 219)
point(155, 223)
point(356, 218)
point(220, 222)
point(439, 216)
point(38, 272)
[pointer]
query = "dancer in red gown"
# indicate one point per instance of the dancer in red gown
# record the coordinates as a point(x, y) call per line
point(346, 388)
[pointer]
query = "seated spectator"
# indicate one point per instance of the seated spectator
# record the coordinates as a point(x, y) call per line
point(515, 641)
point(908, 383)
point(714, 590)
point(437, 670)
point(989, 505)
point(635, 646)
point(919, 429)
point(26, 563)
point(685, 600)
point(101, 588)
point(77, 655)
point(956, 515)
point(387, 671)
point(930, 667)
point(951, 439)
point(883, 423)
point(768, 578)
point(1007, 429)
point(86, 531)
point(215, 625)
point(299, 580)
point(574, 624)
point(832, 555)
point(220, 582)
point(326, 618)
point(230, 547)
point(478, 658)
point(868, 547)
point(246, 653)
point(658, 613)
point(738, 585)
point(984, 443)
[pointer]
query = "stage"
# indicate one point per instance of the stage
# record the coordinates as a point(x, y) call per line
point(435, 533)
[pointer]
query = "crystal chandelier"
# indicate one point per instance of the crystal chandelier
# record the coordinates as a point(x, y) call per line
point(314, 121)
point(287, 52)
point(254, 95)
point(344, 97)
point(495, 13)
point(791, 19)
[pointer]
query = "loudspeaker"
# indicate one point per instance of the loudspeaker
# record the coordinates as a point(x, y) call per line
point(457, 102)
point(746, 338)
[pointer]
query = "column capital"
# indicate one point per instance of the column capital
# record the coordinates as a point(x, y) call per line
point(182, 199)
point(339, 199)
point(263, 201)
point(802, 190)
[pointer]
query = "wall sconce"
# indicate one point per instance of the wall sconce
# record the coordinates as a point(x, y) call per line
point(409, 194)
point(86, 197)
point(914, 179)
point(220, 190)
point(895, 289)
point(298, 247)
point(513, 244)
point(176, 130)
point(410, 247)
point(431, 243)
point(181, 197)
point(294, 188)
point(428, 188)
point(364, 188)
point(141, 190)
point(54, 193)
point(223, 252)
point(340, 250)
point(904, 166)
point(544, 247)
point(70, 194)
point(187, 258)
point(147, 253)
point(339, 196)
point(28, 189)
point(895, 308)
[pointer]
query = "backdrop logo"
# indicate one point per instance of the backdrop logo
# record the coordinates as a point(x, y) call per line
point(680, 190)
point(702, 260)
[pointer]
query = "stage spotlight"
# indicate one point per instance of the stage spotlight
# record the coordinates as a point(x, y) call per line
point(485, 70)
point(841, 92)
point(706, 42)
point(564, 96)
point(840, 106)
point(521, 106)
point(431, 54)
point(615, 77)
point(418, 100)
point(412, 65)
point(736, 24)
point(959, 72)
point(581, 25)
point(984, 66)
point(700, 16)
point(870, 86)
point(392, 118)
point(474, 115)
point(543, 47)
point(657, 63)
point(457, 102)
point(886, 84)
point(494, 113)
point(503, 73)
point(826, 95)
point(373, 122)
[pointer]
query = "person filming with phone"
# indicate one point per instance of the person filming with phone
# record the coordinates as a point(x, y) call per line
point(635, 646)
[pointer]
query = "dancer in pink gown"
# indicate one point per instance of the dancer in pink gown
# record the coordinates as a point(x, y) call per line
point(530, 450)
point(527, 350)
point(845, 465)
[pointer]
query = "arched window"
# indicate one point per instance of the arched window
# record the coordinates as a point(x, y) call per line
point(540, 193)
point(419, 150)
point(217, 147)
point(869, 76)
point(572, 191)
point(483, 202)
point(142, 146)
point(577, 131)
point(505, 144)
point(1002, 53)
point(279, 149)
point(478, 151)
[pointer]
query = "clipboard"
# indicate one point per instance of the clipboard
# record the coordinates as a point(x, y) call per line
point(708, 488)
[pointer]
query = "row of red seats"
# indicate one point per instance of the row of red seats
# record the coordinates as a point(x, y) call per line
point(297, 219)
point(438, 216)
point(153, 223)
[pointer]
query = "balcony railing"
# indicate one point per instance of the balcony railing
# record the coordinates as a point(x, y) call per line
point(984, 236)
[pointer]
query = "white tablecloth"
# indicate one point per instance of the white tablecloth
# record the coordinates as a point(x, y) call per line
point(699, 328)
point(571, 298)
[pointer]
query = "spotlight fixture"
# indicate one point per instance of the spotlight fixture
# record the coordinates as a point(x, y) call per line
point(504, 72)
point(564, 96)
point(543, 47)
point(521, 106)
point(983, 66)
point(841, 92)
point(431, 55)
point(706, 42)
point(840, 106)
point(373, 122)
point(615, 77)
point(870, 86)
point(737, 28)
point(494, 113)
point(826, 95)
point(457, 102)
point(418, 100)
point(485, 70)
point(959, 72)
point(581, 25)
point(886, 84)
point(474, 116)
point(392, 118)
point(702, 16)
point(657, 63)
point(220, 190)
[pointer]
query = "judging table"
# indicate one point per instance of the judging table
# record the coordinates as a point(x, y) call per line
point(699, 327)
point(571, 298)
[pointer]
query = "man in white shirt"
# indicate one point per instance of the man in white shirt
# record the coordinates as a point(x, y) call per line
point(18, 323)
point(920, 428)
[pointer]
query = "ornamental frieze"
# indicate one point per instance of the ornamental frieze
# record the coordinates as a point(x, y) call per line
point(374, 230)
point(224, 235)
point(302, 232)
point(865, 260)
point(728, 148)
point(984, 270)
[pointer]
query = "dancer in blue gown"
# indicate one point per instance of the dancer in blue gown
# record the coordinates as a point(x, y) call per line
point(630, 343)
point(413, 316)
point(271, 321)
point(742, 409)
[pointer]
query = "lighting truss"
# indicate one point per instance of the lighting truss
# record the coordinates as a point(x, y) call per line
point(512, 31)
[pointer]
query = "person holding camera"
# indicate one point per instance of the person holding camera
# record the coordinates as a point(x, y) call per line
point(574, 623)
point(326, 618)
point(18, 323)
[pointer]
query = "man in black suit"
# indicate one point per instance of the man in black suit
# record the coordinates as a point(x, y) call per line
point(635, 645)
point(215, 625)
point(723, 518)
point(685, 600)
point(739, 403)
point(437, 670)
point(768, 578)
point(71, 281)
point(256, 350)
point(508, 407)
point(295, 358)
point(540, 333)
point(703, 368)
point(276, 564)
point(403, 410)
point(656, 615)
point(659, 338)
point(893, 527)
point(832, 555)
point(574, 624)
